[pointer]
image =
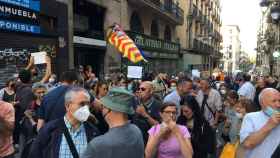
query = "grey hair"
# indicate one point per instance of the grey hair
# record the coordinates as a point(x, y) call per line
point(263, 92)
point(70, 94)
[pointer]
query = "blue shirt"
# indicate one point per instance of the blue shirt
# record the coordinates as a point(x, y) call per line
point(79, 139)
point(175, 98)
point(52, 106)
point(253, 122)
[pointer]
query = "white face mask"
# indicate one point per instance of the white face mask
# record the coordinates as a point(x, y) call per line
point(51, 80)
point(239, 115)
point(223, 91)
point(82, 113)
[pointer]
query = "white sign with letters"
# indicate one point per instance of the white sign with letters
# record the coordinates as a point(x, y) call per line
point(39, 57)
point(195, 73)
point(134, 71)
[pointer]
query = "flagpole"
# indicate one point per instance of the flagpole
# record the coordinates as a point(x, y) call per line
point(121, 24)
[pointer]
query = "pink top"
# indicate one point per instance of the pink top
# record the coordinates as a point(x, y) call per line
point(8, 113)
point(169, 148)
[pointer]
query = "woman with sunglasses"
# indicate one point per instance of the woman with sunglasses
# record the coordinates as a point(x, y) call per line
point(168, 139)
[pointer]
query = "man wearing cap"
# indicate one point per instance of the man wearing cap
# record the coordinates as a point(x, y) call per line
point(123, 140)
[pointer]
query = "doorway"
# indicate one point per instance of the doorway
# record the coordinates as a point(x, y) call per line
point(90, 56)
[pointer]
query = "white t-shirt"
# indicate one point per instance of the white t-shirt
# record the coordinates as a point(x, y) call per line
point(214, 101)
point(253, 122)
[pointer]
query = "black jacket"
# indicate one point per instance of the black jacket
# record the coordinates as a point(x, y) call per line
point(48, 141)
point(203, 137)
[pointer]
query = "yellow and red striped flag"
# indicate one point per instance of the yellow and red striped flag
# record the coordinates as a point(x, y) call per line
point(125, 45)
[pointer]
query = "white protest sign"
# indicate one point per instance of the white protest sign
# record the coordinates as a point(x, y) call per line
point(195, 73)
point(39, 57)
point(134, 71)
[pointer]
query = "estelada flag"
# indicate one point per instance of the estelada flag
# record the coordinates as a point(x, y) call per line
point(125, 45)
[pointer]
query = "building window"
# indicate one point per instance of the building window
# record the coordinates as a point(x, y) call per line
point(88, 19)
point(136, 24)
point(154, 28)
point(167, 33)
point(168, 5)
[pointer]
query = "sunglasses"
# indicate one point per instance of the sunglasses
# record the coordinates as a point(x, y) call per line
point(142, 89)
point(170, 112)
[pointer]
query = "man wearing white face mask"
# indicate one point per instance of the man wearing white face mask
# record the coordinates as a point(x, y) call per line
point(67, 137)
point(260, 130)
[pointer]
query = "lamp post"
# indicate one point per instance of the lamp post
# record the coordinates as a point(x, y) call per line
point(274, 7)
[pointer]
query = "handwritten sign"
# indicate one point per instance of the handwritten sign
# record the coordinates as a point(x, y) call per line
point(195, 73)
point(39, 57)
point(134, 71)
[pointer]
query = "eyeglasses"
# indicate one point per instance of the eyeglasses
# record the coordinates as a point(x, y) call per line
point(185, 111)
point(171, 112)
point(41, 92)
point(83, 103)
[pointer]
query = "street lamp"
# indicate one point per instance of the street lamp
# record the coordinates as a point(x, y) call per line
point(275, 12)
point(264, 3)
point(276, 54)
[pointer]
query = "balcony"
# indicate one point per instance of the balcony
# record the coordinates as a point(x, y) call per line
point(217, 54)
point(193, 11)
point(168, 10)
point(210, 28)
point(210, 6)
point(199, 17)
point(204, 20)
point(201, 48)
point(217, 36)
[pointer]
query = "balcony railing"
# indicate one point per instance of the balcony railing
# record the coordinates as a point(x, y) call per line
point(202, 48)
point(168, 9)
point(200, 16)
point(210, 28)
point(193, 11)
point(204, 20)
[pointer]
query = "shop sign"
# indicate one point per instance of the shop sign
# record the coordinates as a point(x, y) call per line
point(11, 12)
point(30, 4)
point(149, 43)
point(20, 27)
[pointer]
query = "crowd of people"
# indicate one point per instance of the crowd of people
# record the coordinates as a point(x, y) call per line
point(159, 116)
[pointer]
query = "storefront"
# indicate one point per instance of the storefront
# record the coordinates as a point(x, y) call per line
point(29, 26)
point(89, 51)
point(162, 56)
